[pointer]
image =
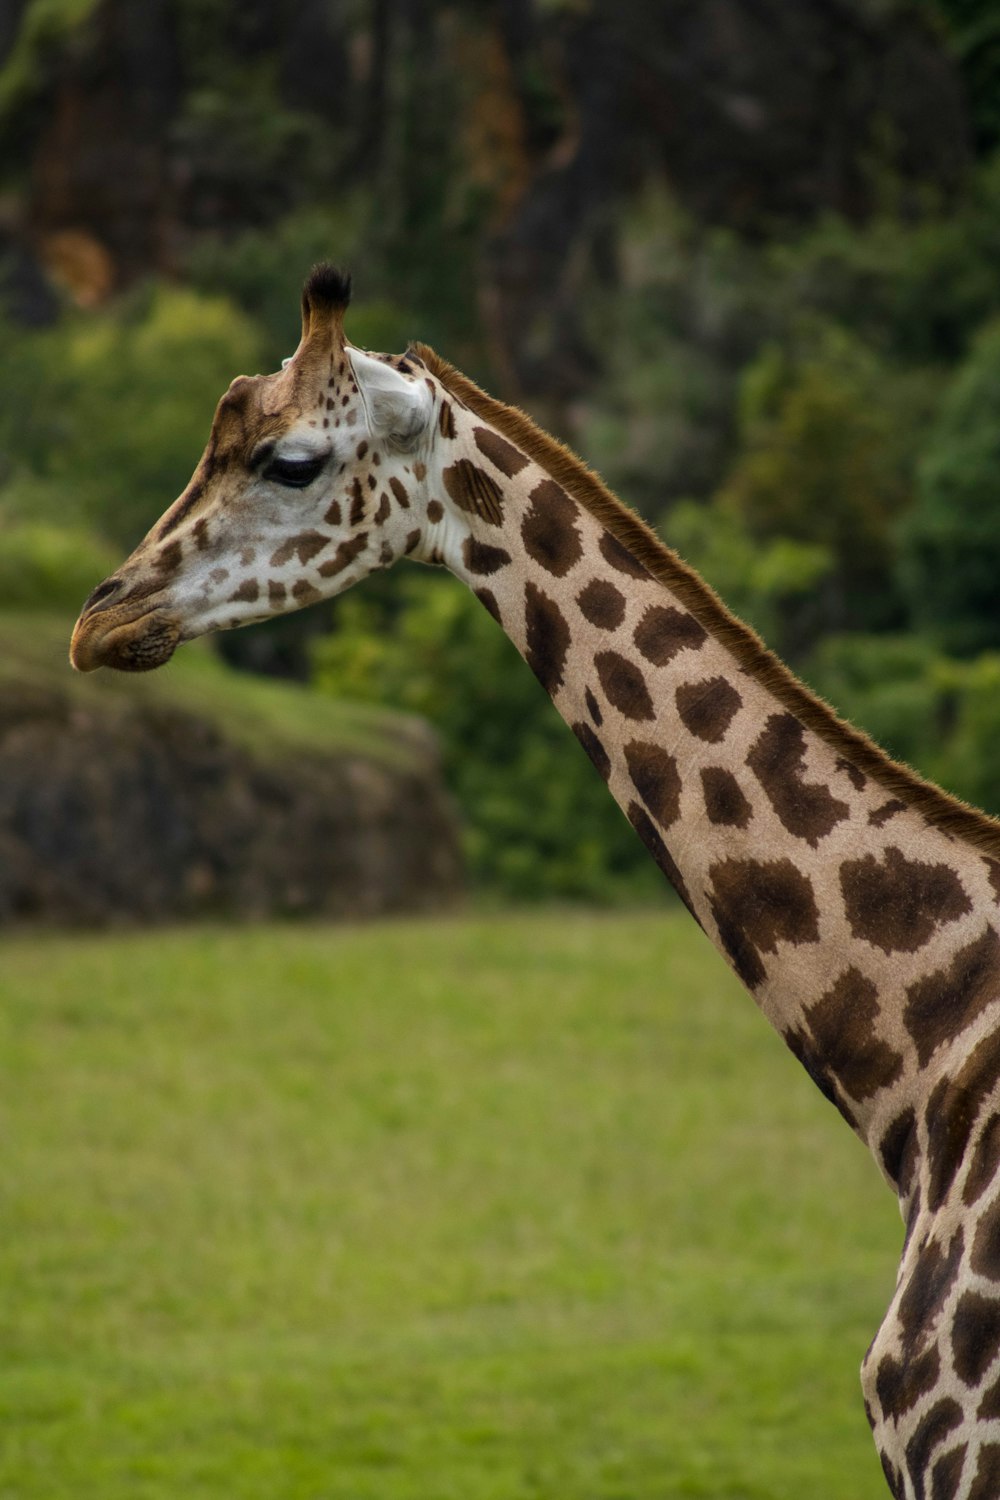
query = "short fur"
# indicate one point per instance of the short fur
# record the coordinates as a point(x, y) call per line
point(941, 809)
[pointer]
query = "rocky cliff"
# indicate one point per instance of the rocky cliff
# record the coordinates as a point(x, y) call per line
point(119, 806)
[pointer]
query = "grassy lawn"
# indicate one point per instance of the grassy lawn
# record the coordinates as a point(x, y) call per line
point(468, 1210)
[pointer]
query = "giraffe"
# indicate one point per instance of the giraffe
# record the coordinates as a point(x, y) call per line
point(859, 904)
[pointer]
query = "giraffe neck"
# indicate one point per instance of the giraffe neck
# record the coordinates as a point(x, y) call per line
point(864, 929)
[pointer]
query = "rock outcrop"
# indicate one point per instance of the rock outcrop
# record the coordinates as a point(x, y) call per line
point(152, 814)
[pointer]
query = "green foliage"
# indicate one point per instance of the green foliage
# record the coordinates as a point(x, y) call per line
point(974, 27)
point(262, 272)
point(933, 712)
point(891, 685)
point(771, 583)
point(527, 1209)
point(822, 465)
point(538, 819)
point(104, 418)
point(47, 566)
point(44, 24)
point(952, 536)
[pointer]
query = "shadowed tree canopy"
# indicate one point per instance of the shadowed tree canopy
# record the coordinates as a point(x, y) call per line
point(518, 126)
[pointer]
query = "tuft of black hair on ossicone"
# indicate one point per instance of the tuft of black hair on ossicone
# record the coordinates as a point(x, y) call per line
point(327, 287)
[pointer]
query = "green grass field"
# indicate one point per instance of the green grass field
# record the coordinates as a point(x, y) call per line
point(467, 1210)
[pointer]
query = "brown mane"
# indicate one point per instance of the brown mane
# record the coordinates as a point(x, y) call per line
point(940, 808)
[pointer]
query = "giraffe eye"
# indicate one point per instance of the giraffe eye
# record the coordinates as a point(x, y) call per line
point(296, 473)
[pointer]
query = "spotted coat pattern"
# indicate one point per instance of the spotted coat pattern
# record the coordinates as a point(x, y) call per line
point(869, 937)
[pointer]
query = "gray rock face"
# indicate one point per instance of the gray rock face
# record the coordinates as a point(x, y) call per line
point(153, 815)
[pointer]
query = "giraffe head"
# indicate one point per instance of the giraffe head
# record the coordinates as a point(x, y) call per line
point(311, 479)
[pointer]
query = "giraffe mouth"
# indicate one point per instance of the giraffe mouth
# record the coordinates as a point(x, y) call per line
point(103, 638)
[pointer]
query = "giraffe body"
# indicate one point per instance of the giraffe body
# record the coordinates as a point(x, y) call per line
point(858, 904)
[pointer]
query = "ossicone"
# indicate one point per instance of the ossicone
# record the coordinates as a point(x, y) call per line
point(325, 296)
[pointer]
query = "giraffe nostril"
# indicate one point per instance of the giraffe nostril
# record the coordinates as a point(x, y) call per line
point(103, 591)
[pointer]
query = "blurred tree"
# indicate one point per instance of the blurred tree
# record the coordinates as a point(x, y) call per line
point(102, 420)
point(823, 464)
point(974, 28)
point(951, 559)
point(772, 583)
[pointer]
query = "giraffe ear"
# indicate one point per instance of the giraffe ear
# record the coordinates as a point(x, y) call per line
point(398, 408)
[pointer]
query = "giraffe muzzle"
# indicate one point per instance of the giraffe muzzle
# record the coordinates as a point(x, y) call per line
point(106, 637)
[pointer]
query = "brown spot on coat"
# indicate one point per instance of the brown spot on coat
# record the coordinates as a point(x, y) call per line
point(800, 1044)
point(928, 1434)
point(899, 1384)
point(663, 631)
point(947, 1001)
point(646, 829)
point(927, 1289)
point(985, 1159)
point(975, 1336)
point(304, 546)
point(333, 515)
point(898, 904)
point(344, 555)
point(947, 1475)
point(446, 420)
point(547, 638)
point(435, 511)
point(620, 558)
point(200, 534)
point(986, 1485)
point(275, 592)
point(757, 904)
point(655, 777)
point(503, 455)
point(602, 604)
point(593, 707)
point(725, 803)
point(483, 559)
point(588, 739)
point(893, 1478)
point(304, 592)
point(169, 558)
point(986, 1245)
point(247, 593)
point(474, 491)
point(624, 685)
point(856, 777)
point(879, 816)
point(382, 513)
point(952, 1110)
point(777, 758)
point(399, 490)
point(549, 530)
point(707, 708)
point(989, 1407)
point(898, 1149)
point(357, 512)
point(488, 600)
point(185, 503)
point(847, 1046)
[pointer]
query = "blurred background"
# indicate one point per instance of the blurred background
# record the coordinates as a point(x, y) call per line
point(743, 256)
